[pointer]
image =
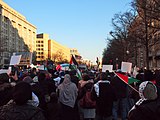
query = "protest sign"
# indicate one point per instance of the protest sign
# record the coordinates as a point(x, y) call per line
point(107, 67)
point(15, 59)
point(126, 67)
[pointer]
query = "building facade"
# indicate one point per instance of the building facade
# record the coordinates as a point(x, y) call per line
point(58, 52)
point(50, 49)
point(149, 9)
point(16, 33)
point(42, 47)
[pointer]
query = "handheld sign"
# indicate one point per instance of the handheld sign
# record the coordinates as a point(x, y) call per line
point(15, 59)
point(107, 67)
point(126, 67)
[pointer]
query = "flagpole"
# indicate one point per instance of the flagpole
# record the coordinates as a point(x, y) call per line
point(126, 82)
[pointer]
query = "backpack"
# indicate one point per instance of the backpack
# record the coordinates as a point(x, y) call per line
point(86, 101)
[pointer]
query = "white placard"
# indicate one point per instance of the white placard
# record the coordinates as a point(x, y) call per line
point(107, 67)
point(15, 59)
point(126, 67)
point(41, 67)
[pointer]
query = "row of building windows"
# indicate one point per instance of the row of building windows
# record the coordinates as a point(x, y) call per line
point(39, 41)
point(39, 52)
point(39, 45)
point(39, 49)
point(40, 57)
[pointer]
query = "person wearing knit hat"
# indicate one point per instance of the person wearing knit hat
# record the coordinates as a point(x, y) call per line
point(148, 106)
point(22, 93)
point(18, 109)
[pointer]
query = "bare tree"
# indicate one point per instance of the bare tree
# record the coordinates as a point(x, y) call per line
point(148, 13)
point(121, 24)
point(58, 56)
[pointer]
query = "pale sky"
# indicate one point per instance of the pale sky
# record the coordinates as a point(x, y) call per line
point(81, 24)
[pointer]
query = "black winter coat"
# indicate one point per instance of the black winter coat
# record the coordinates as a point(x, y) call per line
point(148, 110)
point(104, 102)
point(5, 93)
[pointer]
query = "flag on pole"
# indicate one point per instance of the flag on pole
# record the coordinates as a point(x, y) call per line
point(126, 79)
point(73, 66)
point(73, 61)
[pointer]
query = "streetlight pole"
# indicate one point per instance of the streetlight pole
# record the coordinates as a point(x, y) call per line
point(116, 63)
point(127, 53)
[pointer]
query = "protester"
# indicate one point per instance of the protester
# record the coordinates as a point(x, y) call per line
point(35, 100)
point(18, 109)
point(148, 106)
point(104, 95)
point(120, 105)
point(54, 108)
point(75, 80)
point(86, 85)
point(41, 91)
point(5, 89)
point(67, 93)
point(33, 73)
point(14, 77)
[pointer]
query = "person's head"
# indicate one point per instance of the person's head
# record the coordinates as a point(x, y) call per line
point(41, 77)
point(147, 91)
point(72, 72)
point(34, 70)
point(67, 79)
point(61, 74)
point(4, 78)
point(148, 75)
point(53, 97)
point(85, 77)
point(22, 93)
point(103, 76)
point(28, 79)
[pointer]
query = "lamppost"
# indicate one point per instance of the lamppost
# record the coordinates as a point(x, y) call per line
point(127, 53)
point(116, 63)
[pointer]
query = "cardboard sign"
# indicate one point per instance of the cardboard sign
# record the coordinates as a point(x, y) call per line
point(15, 59)
point(126, 67)
point(107, 67)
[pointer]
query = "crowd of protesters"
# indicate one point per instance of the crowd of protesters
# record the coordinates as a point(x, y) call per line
point(59, 95)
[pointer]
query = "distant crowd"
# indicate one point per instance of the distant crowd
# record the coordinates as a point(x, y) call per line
point(60, 95)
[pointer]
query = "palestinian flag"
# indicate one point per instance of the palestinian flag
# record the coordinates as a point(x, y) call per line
point(73, 66)
point(73, 61)
point(126, 79)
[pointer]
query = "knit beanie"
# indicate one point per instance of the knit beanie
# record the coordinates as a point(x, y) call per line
point(147, 91)
point(22, 93)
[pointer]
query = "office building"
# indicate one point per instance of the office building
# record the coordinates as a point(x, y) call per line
point(16, 33)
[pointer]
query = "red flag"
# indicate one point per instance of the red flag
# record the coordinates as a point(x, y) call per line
point(123, 77)
point(127, 80)
point(58, 67)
